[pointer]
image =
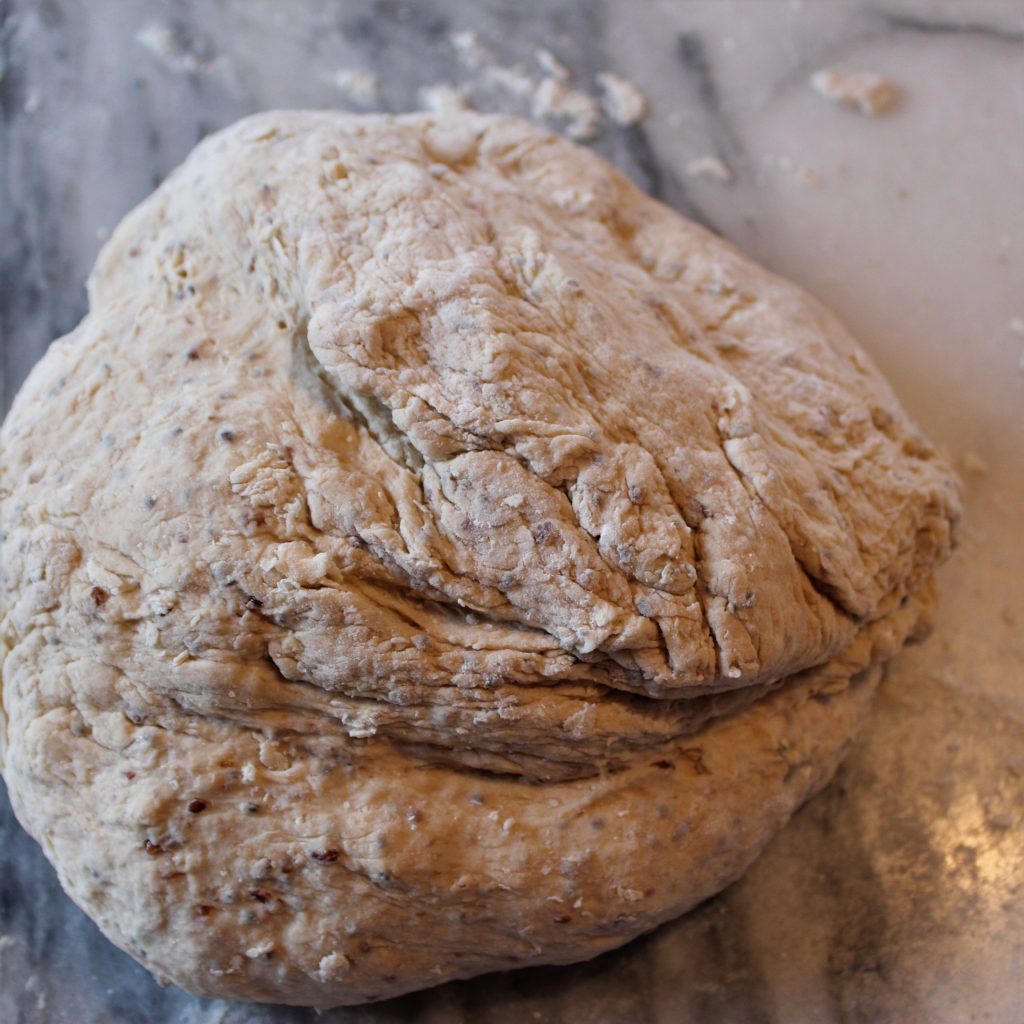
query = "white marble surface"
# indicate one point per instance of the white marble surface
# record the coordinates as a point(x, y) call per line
point(894, 896)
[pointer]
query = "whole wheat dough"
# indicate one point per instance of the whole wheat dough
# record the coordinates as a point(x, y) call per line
point(431, 555)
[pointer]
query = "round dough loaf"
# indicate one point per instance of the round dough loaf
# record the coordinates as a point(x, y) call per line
point(431, 555)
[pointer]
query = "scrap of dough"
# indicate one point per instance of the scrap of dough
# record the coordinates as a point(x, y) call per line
point(362, 87)
point(808, 177)
point(974, 464)
point(552, 66)
point(430, 555)
point(33, 102)
point(622, 101)
point(512, 80)
point(553, 98)
point(870, 93)
point(470, 50)
point(167, 46)
point(443, 98)
point(709, 167)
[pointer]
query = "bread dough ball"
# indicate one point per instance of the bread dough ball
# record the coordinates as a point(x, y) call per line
point(431, 555)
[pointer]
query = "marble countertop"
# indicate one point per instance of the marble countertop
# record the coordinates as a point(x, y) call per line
point(896, 894)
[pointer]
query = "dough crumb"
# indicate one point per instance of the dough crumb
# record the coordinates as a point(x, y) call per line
point(808, 177)
point(442, 98)
point(273, 757)
point(170, 48)
point(629, 895)
point(1016, 326)
point(554, 99)
point(552, 66)
point(710, 167)
point(470, 50)
point(623, 102)
point(333, 966)
point(362, 87)
point(974, 463)
point(514, 80)
point(870, 93)
point(33, 102)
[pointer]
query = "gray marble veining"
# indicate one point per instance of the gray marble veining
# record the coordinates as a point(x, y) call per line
point(896, 894)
